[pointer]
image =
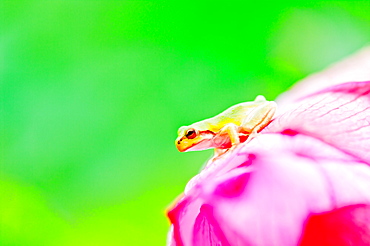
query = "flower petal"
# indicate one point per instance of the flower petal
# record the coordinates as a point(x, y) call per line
point(305, 180)
point(339, 116)
point(353, 68)
point(285, 185)
point(207, 231)
point(234, 186)
point(341, 227)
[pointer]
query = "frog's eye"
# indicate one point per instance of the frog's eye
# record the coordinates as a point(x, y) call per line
point(191, 133)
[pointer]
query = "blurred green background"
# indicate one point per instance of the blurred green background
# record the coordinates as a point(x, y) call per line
point(92, 94)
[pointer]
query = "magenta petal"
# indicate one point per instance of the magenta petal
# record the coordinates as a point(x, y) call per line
point(339, 116)
point(341, 227)
point(184, 212)
point(175, 215)
point(206, 229)
point(290, 178)
point(297, 182)
point(233, 187)
point(353, 68)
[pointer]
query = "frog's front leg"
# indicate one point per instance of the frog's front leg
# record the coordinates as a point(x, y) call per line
point(227, 137)
point(232, 131)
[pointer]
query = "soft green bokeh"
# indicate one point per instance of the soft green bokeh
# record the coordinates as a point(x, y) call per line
point(92, 94)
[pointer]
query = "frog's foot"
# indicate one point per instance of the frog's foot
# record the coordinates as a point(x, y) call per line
point(252, 135)
point(219, 153)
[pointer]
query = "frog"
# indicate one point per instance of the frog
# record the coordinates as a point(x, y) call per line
point(238, 124)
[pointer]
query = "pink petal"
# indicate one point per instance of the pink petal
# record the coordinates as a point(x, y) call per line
point(354, 68)
point(305, 180)
point(207, 231)
point(339, 116)
point(234, 186)
point(286, 185)
point(340, 227)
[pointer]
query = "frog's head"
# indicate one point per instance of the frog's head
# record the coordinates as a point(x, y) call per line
point(189, 139)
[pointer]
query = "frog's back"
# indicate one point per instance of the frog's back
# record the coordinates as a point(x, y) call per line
point(235, 114)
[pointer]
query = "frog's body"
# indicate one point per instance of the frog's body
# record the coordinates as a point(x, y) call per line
point(231, 127)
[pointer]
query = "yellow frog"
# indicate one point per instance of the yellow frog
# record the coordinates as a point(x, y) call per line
point(231, 127)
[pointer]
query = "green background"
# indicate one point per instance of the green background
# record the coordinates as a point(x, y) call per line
point(92, 94)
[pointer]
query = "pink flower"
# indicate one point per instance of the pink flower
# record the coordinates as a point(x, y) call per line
point(305, 180)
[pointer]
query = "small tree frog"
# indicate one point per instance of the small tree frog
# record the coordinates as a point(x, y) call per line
point(231, 127)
